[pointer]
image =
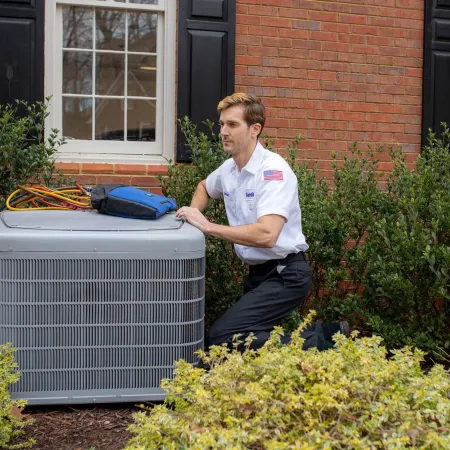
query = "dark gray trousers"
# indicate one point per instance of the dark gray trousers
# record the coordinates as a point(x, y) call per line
point(271, 291)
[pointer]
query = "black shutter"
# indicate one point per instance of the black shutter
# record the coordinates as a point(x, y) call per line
point(21, 50)
point(206, 38)
point(436, 77)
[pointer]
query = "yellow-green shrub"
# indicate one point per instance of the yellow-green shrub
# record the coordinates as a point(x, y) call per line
point(10, 426)
point(282, 397)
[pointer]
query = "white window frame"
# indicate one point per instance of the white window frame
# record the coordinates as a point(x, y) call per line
point(130, 152)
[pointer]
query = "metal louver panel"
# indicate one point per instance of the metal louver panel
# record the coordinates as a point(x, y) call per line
point(99, 329)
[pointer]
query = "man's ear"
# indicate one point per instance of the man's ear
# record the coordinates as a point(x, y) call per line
point(256, 129)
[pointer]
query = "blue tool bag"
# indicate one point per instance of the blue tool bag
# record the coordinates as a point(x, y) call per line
point(131, 202)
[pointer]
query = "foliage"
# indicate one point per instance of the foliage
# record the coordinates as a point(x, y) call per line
point(10, 425)
point(224, 269)
point(282, 397)
point(25, 154)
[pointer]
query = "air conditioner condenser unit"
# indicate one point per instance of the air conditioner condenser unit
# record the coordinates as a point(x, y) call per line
point(99, 307)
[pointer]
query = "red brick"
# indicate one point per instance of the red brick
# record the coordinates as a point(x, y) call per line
point(111, 179)
point(365, 29)
point(323, 16)
point(321, 114)
point(248, 20)
point(293, 34)
point(131, 169)
point(286, 3)
point(337, 47)
point(276, 42)
point(278, 22)
point(353, 19)
point(261, 51)
point(97, 168)
point(381, 21)
point(365, 107)
point(157, 170)
point(376, 117)
point(390, 127)
point(352, 116)
point(380, 40)
point(86, 180)
point(293, 13)
point(322, 36)
point(391, 109)
point(278, 82)
point(68, 167)
point(145, 181)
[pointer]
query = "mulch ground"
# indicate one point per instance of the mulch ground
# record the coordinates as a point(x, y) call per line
point(102, 427)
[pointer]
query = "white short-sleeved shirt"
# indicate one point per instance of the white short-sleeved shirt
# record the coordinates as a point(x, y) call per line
point(266, 185)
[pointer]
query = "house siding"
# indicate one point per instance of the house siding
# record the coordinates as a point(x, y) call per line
point(333, 72)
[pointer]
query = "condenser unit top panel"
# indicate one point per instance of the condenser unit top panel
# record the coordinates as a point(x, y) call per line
point(84, 221)
point(91, 232)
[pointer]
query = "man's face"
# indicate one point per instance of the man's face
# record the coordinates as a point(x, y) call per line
point(237, 135)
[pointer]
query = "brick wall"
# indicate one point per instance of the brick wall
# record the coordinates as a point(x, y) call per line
point(334, 71)
point(137, 175)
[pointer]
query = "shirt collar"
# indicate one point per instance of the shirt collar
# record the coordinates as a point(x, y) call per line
point(255, 160)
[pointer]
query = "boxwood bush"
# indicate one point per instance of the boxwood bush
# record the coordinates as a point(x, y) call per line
point(356, 396)
point(10, 425)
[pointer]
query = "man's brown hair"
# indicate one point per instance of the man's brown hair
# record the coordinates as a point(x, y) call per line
point(254, 111)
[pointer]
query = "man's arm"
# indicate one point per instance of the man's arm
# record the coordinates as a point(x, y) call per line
point(200, 199)
point(262, 234)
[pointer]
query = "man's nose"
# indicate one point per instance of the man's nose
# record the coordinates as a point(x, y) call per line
point(223, 130)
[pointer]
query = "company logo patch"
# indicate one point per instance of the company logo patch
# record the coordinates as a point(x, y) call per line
point(270, 175)
point(250, 196)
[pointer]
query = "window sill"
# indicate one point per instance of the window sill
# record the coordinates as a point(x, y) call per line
point(113, 159)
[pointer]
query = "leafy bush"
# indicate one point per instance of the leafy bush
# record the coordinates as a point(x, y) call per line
point(10, 425)
point(24, 152)
point(224, 269)
point(282, 397)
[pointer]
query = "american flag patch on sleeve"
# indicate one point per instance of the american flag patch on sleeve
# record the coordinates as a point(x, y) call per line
point(273, 175)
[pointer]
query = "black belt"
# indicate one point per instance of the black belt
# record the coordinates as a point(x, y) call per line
point(266, 267)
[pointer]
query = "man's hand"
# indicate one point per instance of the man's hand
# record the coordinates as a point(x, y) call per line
point(195, 218)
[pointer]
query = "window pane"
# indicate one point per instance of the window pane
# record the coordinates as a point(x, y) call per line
point(109, 29)
point(77, 72)
point(77, 27)
point(141, 120)
point(109, 119)
point(109, 73)
point(142, 32)
point(77, 118)
point(142, 76)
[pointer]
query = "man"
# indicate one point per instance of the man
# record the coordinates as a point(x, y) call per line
point(261, 199)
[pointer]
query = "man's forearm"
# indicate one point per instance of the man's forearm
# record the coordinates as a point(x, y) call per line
point(200, 200)
point(252, 235)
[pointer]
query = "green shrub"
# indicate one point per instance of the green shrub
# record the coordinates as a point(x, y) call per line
point(224, 269)
point(282, 397)
point(10, 425)
point(407, 254)
point(25, 154)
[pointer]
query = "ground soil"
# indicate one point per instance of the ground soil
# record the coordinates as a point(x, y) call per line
point(102, 427)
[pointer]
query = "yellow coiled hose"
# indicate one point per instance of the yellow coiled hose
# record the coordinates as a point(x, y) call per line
point(31, 198)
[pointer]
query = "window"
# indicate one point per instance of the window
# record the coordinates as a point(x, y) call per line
point(110, 69)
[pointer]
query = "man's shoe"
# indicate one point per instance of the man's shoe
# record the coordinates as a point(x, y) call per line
point(329, 329)
point(345, 328)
